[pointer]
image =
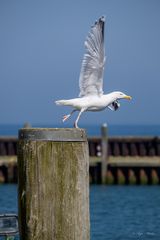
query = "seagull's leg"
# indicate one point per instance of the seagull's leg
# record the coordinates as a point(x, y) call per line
point(76, 122)
point(65, 117)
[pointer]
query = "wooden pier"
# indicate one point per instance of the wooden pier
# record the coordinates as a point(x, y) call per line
point(53, 184)
point(129, 160)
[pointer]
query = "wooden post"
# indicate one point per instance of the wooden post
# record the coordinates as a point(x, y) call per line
point(53, 169)
point(104, 161)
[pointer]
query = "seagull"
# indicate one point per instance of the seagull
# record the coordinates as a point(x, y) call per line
point(91, 97)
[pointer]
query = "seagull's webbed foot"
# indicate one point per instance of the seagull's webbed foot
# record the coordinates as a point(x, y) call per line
point(65, 117)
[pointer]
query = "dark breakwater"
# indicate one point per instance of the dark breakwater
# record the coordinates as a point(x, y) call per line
point(130, 160)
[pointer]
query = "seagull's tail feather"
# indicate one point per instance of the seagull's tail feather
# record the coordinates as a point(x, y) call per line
point(63, 102)
point(60, 102)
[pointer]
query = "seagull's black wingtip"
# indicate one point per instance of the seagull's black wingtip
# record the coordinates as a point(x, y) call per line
point(102, 18)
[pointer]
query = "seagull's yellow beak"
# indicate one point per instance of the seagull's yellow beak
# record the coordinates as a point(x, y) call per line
point(128, 97)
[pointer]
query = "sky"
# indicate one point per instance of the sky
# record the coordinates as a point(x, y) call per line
point(41, 50)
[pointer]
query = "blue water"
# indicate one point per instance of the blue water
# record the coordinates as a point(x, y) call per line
point(94, 130)
point(117, 212)
point(125, 212)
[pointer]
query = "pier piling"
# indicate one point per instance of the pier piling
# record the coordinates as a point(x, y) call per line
point(53, 182)
point(104, 144)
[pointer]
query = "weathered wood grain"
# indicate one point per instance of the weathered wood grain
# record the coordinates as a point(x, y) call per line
point(53, 187)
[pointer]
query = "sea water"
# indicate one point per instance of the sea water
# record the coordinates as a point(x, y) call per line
point(116, 212)
point(125, 212)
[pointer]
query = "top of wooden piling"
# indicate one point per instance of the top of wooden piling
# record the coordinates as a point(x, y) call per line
point(53, 134)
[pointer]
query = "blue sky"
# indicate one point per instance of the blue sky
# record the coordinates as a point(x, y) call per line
point(42, 46)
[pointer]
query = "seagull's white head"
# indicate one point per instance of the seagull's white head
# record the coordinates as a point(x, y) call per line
point(121, 95)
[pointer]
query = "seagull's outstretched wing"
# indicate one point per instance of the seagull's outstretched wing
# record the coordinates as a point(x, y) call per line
point(91, 75)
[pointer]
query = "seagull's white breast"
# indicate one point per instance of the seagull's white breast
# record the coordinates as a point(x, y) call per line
point(91, 103)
